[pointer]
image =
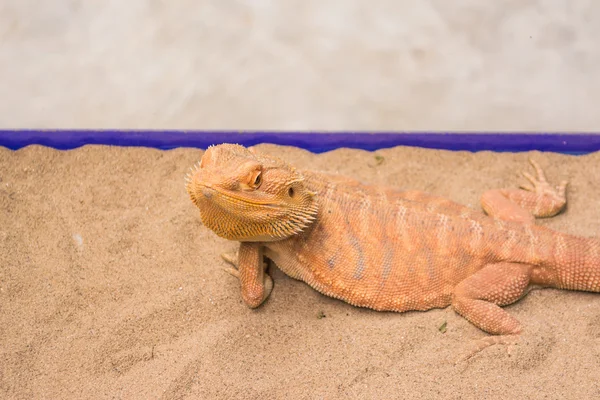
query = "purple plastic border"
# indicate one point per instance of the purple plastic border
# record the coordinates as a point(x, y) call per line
point(317, 142)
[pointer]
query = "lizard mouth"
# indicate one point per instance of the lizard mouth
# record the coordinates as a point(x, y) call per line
point(214, 194)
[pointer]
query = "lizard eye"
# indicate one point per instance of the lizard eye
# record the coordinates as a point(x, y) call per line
point(291, 192)
point(257, 180)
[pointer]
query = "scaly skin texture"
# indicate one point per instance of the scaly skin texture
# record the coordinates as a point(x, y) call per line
point(380, 248)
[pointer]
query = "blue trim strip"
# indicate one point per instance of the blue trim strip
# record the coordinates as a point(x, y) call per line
point(317, 142)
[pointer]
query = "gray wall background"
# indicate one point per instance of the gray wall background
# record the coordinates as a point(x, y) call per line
point(300, 64)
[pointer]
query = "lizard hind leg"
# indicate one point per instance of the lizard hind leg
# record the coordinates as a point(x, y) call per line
point(479, 298)
point(539, 199)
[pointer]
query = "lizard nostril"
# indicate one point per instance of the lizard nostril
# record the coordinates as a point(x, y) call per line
point(207, 192)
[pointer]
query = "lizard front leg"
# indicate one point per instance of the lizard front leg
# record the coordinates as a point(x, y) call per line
point(523, 205)
point(256, 284)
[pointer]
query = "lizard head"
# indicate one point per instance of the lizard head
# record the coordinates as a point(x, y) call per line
point(246, 196)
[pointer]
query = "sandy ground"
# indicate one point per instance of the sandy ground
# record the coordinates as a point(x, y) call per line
point(110, 287)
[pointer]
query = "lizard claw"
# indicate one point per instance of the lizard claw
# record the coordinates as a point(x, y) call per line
point(538, 170)
point(540, 185)
point(231, 258)
point(506, 340)
point(232, 271)
point(538, 182)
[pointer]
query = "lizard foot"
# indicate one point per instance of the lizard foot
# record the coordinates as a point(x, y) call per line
point(231, 258)
point(534, 199)
point(484, 343)
point(540, 186)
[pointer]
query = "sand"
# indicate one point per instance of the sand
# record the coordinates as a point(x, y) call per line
point(110, 287)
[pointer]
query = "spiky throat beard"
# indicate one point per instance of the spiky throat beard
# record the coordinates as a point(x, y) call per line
point(236, 218)
point(252, 223)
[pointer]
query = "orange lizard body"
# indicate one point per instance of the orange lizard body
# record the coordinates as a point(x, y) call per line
point(384, 249)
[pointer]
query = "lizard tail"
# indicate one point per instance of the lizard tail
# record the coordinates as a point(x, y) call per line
point(577, 263)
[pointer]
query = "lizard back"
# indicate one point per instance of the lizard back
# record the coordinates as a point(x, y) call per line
point(385, 249)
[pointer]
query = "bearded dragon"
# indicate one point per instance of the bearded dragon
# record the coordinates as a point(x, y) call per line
point(386, 249)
